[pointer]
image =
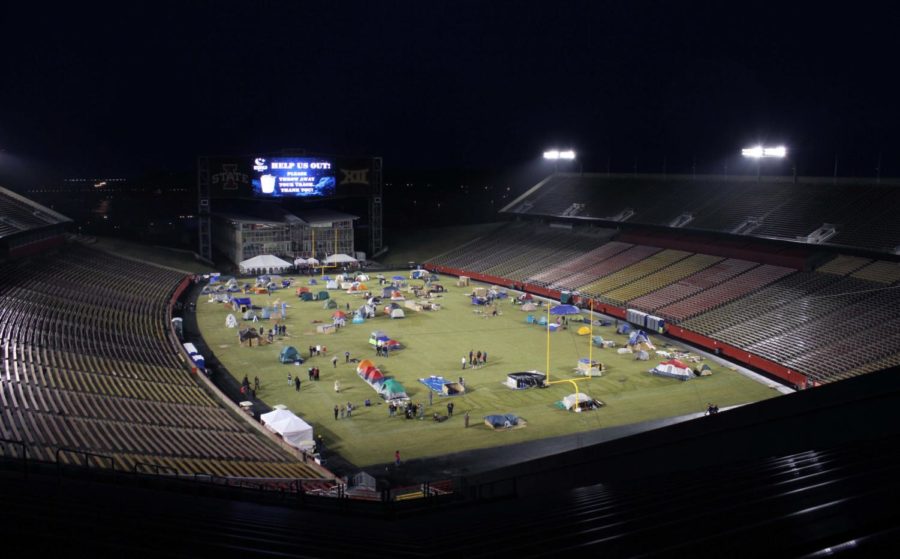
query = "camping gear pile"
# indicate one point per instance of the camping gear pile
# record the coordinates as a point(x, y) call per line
point(524, 380)
point(388, 388)
point(443, 386)
point(589, 368)
point(673, 368)
point(579, 402)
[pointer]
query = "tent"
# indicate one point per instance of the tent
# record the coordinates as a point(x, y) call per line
point(673, 368)
point(623, 328)
point(418, 274)
point(331, 284)
point(266, 313)
point(565, 310)
point(330, 304)
point(265, 262)
point(505, 421)
point(580, 402)
point(292, 429)
point(526, 379)
point(340, 259)
point(597, 341)
point(584, 331)
point(638, 337)
point(338, 314)
point(392, 390)
point(290, 355)
point(589, 368)
point(358, 319)
point(248, 315)
point(300, 262)
point(705, 371)
point(529, 307)
point(306, 296)
point(378, 338)
point(363, 365)
point(397, 313)
point(323, 295)
point(387, 291)
point(302, 290)
point(642, 355)
point(231, 321)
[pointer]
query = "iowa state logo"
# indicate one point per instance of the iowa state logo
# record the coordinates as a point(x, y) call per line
point(355, 176)
point(230, 178)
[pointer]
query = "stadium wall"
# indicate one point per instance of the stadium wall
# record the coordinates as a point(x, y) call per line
point(795, 379)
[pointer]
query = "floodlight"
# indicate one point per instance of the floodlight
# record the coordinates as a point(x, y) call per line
point(552, 154)
point(568, 154)
point(759, 152)
point(755, 152)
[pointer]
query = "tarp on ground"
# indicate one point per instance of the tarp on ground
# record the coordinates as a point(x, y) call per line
point(443, 386)
point(264, 262)
point(292, 429)
point(290, 355)
point(504, 421)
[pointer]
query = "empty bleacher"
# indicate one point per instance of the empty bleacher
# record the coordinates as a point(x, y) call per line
point(662, 278)
point(706, 279)
point(636, 271)
point(86, 366)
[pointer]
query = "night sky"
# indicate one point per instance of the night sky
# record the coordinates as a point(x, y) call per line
point(132, 87)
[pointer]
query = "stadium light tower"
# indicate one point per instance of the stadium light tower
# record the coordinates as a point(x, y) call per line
point(760, 152)
point(555, 155)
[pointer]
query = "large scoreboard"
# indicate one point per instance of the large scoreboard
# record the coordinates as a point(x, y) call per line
point(284, 176)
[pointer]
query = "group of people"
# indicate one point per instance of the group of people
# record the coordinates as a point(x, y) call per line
point(712, 409)
point(343, 411)
point(476, 359)
point(313, 373)
point(317, 350)
point(383, 350)
point(246, 390)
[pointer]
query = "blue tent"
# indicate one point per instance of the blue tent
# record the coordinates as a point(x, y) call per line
point(638, 337)
point(623, 328)
point(505, 421)
point(565, 310)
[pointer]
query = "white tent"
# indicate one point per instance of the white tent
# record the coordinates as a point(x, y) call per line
point(231, 321)
point(292, 429)
point(264, 262)
point(580, 398)
point(299, 262)
point(673, 369)
point(312, 261)
point(340, 259)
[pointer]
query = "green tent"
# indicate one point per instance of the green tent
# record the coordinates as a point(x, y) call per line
point(306, 296)
point(323, 295)
point(330, 304)
point(392, 389)
point(290, 355)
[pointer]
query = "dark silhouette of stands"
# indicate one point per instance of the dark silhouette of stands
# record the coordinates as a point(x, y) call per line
point(88, 367)
point(861, 212)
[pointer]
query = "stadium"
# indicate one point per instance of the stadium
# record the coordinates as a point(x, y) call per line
point(587, 341)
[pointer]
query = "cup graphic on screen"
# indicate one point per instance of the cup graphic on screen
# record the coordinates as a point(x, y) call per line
point(268, 184)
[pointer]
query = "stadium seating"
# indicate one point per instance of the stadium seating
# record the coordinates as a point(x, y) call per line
point(706, 279)
point(664, 277)
point(87, 367)
point(636, 271)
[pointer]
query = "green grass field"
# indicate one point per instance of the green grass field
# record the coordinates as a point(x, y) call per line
point(434, 343)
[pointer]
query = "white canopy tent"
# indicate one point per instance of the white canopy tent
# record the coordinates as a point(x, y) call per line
point(292, 429)
point(264, 262)
point(340, 259)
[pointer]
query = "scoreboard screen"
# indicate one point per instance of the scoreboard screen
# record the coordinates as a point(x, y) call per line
point(293, 177)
